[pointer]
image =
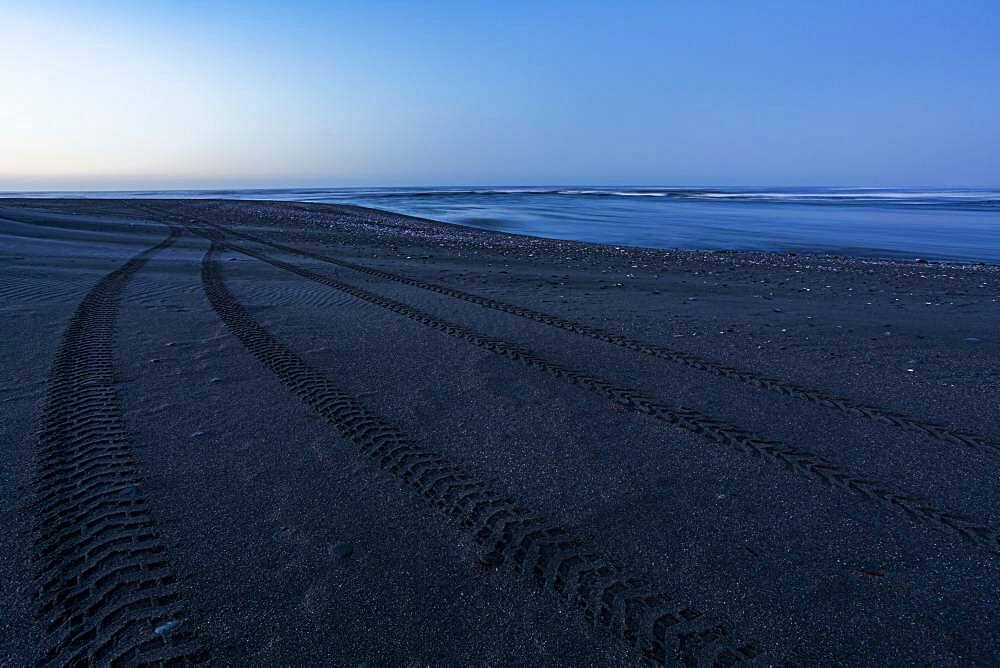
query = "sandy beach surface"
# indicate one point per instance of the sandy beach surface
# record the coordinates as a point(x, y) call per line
point(275, 433)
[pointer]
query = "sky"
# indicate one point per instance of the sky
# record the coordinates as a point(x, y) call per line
point(185, 94)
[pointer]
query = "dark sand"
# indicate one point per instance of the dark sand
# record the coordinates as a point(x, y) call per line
point(699, 456)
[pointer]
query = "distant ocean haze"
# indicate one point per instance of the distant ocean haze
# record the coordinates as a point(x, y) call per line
point(957, 224)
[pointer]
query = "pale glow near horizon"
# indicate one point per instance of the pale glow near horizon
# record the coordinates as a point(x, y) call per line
point(87, 107)
point(83, 105)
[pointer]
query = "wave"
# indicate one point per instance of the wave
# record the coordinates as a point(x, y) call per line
point(854, 195)
point(975, 198)
point(618, 193)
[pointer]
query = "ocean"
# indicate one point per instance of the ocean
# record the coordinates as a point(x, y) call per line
point(956, 224)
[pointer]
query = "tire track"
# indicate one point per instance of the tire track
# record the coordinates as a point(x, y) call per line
point(105, 590)
point(845, 405)
point(662, 629)
point(799, 460)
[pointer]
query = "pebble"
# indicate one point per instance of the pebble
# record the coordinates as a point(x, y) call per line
point(166, 627)
point(130, 492)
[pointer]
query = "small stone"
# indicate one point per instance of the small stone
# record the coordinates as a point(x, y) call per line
point(166, 627)
point(130, 492)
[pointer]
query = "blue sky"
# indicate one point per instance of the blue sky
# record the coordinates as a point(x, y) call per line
point(189, 94)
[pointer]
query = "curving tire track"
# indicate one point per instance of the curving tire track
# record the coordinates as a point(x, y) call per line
point(105, 590)
point(795, 459)
point(845, 405)
point(663, 630)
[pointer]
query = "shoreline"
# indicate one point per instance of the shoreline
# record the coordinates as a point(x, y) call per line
point(858, 252)
point(806, 253)
point(758, 255)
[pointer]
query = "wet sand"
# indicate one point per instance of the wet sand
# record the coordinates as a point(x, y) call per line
point(278, 433)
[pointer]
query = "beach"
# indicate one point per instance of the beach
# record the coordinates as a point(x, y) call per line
point(285, 433)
